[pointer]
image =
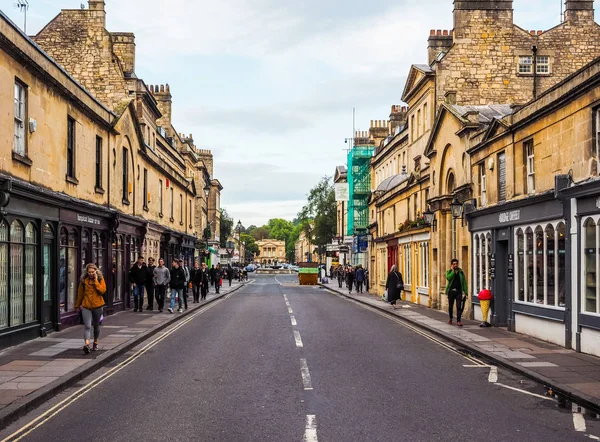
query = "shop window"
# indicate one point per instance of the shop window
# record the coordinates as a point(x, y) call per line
point(541, 259)
point(68, 274)
point(4, 244)
point(85, 245)
point(406, 265)
point(48, 260)
point(98, 244)
point(591, 245)
point(30, 272)
point(117, 268)
point(482, 256)
point(17, 277)
point(423, 280)
point(597, 122)
point(20, 146)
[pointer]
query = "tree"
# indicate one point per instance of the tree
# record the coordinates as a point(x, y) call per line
point(251, 246)
point(318, 217)
point(226, 227)
point(259, 233)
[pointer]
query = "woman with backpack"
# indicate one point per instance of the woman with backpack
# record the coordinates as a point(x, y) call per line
point(394, 286)
point(90, 302)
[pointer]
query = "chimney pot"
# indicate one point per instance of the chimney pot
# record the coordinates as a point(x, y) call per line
point(445, 32)
point(432, 32)
point(438, 32)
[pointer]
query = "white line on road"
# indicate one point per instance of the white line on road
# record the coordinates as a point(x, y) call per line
point(293, 318)
point(493, 376)
point(305, 375)
point(310, 432)
point(287, 303)
point(290, 311)
point(285, 297)
point(474, 366)
point(298, 339)
point(579, 422)
point(523, 391)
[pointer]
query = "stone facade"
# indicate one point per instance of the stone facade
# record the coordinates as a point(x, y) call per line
point(271, 251)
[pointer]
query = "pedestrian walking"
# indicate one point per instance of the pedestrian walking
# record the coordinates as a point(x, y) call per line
point(205, 277)
point(150, 284)
point(212, 273)
point(331, 270)
point(196, 280)
point(162, 277)
point(90, 302)
point(137, 276)
point(187, 286)
point(350, 278)
point(394, 286)
point(229, 273)
point(177, 284)
point(218, 278)
point(360, 278)
point(456, 290)
point(340, 275)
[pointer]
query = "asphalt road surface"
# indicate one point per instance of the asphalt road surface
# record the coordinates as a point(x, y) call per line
point(279, 362)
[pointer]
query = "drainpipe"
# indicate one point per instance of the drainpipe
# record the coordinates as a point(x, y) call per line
point(534, 52)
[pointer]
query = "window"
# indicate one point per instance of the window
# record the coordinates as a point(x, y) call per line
point(412, 127)
point(190, 213)
point(98, 163)
point(125, 176)
point(541, 259)
point(424, 264)
point(501, 177)
point(529, 165)
point(172, 197)
point(406, 265)
point(145, 188)
point(181, 209)
point(425, 119)
point(482, 255)
point(591, 265)
point(68, 274)
point(20, 118)
point(160, 198)
point(419, 123)
point(71, 148)
point(98, 244)
point(482, 186)
point(598, 139)
point(543, 64)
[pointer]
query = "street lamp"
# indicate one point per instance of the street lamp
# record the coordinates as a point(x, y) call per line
point(456, 207)
point(428, 216)
point(239, 231)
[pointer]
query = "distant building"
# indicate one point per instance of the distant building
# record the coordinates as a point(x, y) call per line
point(271, 251)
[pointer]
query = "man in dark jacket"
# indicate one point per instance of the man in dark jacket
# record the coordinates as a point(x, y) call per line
point(360, 278)
point(456, 290)
point(205, 279)
point(196, 279)
point(137, 276)
point(229, 273)
point(150, 283)
point(350, 278)
point(177, 285)
point(218, 277)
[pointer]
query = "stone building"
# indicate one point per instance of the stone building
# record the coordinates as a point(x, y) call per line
point(534, 226)
point(270, 252)
point(305, 250)
point(82, 180)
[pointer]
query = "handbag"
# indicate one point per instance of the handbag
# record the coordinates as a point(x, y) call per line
point(190, 285)
point(384, 297)
point(399, 285)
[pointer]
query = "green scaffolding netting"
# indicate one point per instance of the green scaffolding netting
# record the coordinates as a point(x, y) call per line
point(359, 183)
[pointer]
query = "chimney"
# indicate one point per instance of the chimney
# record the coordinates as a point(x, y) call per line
point(438, 41)
point(162, 94)
point(398, 117)
point(124, 49)
point(476, 16)
point(98, 12)
point(579, 10)
point(379, 131)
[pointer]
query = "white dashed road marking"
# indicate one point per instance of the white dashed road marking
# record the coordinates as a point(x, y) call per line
point(310, 432)
point(293, 318)
point(305, 375)
point(298, 339)
point(290, 311)
point(493, 376)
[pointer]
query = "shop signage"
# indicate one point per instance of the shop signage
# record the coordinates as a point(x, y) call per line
point(342, 191)
point(508, 217)
point(344, 249)
point(88, 219)
point(510, 271)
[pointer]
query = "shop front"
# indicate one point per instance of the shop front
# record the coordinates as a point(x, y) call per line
point(28, 264)
point(520, 253)
point(585, 261)
point(188, 250)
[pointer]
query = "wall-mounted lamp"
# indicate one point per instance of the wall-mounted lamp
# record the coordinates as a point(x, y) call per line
point(428, 215)
point(456, 207)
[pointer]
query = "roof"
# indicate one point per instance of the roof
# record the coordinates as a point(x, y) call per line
point(391, 182)
point(486, 112)
point(424, 68)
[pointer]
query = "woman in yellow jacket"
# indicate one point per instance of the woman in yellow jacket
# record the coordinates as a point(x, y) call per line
point(90, 299)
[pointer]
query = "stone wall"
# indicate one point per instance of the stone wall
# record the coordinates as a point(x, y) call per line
point(78, 41)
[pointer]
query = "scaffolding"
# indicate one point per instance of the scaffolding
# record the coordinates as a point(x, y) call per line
point(359, 183)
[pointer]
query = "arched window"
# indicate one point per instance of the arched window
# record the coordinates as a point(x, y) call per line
point(539, 274)
point(450, 183)
point(4, 245)
point(520, 270)
point(85, 244)
point(551, 264)
point(561, 256)
point(529, 273)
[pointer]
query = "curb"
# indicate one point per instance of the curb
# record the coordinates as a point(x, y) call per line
point(28, 403)
point(563, 391)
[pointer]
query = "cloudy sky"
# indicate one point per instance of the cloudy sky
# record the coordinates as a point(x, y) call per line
point(269, 85)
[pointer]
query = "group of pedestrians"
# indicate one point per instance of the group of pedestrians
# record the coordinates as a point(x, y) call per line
point(456, 289)
point(354, 276)
point(157, 281)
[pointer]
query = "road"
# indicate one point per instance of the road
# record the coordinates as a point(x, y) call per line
point(279, 362)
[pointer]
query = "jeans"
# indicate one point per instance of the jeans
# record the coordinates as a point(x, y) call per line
point(176, 293)
point(159, 292)
point(359, 286)
point(138, 297)
point(455, 297)
point(196, 292)
point(150, 292)
point(91, 317)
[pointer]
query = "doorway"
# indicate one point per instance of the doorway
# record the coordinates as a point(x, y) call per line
point(502, 298)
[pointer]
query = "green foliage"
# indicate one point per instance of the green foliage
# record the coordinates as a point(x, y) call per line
point(226, 227)
point(251, 246)
point(318, 216)
point(259, 233)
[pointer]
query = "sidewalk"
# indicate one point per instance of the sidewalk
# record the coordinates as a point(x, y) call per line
point(35, 371)
point(575, 376)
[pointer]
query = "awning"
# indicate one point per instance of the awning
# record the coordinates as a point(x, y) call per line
point(211, 250)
